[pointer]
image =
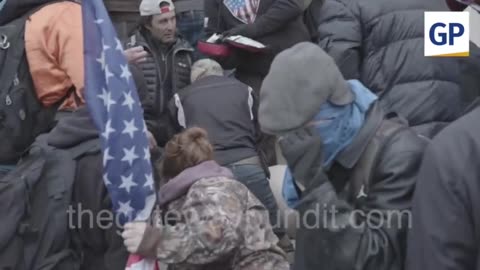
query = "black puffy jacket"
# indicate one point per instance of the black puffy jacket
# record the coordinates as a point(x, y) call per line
point(445, 231)
point(381, 43)
point(176, 62)
point(359, 218)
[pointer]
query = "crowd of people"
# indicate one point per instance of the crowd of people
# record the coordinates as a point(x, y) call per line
point(378, 141)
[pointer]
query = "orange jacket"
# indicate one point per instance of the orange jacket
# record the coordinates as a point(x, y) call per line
point(54, 48)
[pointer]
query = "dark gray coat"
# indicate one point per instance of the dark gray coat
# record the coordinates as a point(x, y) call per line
point(362, 228)
point(380, 43)
point(445, 231)
point(102, 245)
point(222, 106)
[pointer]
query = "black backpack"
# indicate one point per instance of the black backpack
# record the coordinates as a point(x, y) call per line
point(14, 9)
point(22, 116)
point(35, 200)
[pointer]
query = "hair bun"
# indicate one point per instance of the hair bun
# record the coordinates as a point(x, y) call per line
point(196, 134)
point(185, 150)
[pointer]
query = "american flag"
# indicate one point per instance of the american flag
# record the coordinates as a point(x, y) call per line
point(113, 102)
point(244, 10)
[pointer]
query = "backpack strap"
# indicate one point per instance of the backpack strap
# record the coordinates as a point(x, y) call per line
point(91, 146)
point(363, 171)
point(12, 47)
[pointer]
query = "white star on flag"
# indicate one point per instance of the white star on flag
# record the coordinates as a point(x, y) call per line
point(119, 45)
point(107, 99)
point(106, 156)
point(125, 208)
point(113, 102)
point(127, 183)
point(105, 46)
point(147, 154)
point(108, 130)
point(101, 60)
point(108, 74)
point(125, 72)
point(128, 100)
point(130, 127)
point(105, 180)
point(129, 155)
point(149, 181)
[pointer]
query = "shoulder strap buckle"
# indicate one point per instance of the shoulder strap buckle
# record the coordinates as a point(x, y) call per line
point(4, 43)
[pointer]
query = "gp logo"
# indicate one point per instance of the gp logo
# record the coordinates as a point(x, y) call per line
point(447, 34)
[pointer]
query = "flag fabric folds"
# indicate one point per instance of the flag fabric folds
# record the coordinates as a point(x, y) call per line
point(113, 102)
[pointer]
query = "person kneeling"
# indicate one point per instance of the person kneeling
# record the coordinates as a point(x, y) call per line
point(355, 165)
point(230, 125)
point(220, 224)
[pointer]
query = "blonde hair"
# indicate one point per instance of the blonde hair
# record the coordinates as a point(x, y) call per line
point(205, 67)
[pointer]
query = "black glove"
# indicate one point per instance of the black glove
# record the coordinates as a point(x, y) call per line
point(302, 149)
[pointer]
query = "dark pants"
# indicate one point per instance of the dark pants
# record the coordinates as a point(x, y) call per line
point(190, 25)
point(254, 178)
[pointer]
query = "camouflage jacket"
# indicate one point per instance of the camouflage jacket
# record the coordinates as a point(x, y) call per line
point(217, 224)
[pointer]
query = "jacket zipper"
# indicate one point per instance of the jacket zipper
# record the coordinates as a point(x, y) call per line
point(159, 97)
point(162, 80)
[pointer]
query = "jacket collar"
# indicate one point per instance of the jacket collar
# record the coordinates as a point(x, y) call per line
point(179, 185)
point(349, 156)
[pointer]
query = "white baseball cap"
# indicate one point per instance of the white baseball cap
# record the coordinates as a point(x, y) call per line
point(152, 7)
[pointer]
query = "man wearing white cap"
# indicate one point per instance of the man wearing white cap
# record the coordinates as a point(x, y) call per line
point(166, 67)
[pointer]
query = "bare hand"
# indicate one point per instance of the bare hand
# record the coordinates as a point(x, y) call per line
point(135, 55)
point(133, 235)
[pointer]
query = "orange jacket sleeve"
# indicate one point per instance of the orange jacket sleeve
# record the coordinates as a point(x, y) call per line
point(54, 47)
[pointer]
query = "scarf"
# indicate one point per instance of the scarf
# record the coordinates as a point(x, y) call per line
point(337, 126)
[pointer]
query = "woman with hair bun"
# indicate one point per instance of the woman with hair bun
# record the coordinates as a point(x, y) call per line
point(208, 219)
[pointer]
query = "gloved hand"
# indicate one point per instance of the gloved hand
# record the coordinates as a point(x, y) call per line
point(133, 234)
point(302, 149)
point(245, 30)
